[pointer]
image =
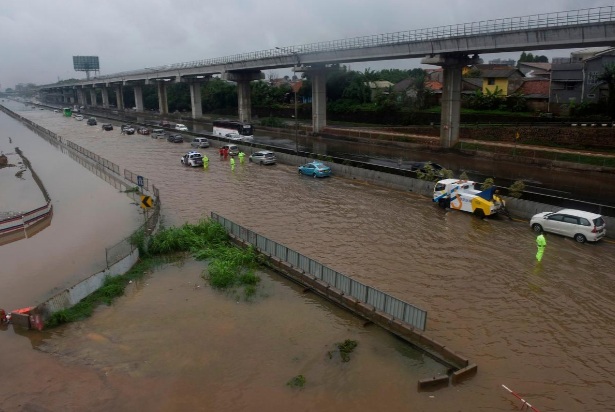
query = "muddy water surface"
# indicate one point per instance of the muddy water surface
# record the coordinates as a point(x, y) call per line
point(545, 330)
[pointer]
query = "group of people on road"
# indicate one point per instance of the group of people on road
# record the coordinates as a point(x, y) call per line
point(224, 154)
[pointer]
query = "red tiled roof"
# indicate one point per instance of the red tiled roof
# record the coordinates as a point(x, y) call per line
point(433, 85)
point(534, 86)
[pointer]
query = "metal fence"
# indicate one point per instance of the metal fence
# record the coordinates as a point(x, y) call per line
point(382, 301)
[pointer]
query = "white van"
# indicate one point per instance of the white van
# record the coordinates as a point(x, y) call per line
point(181, 127)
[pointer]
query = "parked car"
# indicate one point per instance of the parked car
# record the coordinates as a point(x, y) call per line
point(165, 123)
point(263, 157)
point(233, 150)
point(316, 169)
point(54, 110)
point(577, 224)
point(201, 142)
point(181, 127)
point(175, 138)
point(79, 117)
point(143, 130)
point(192, 159)
point(92, 121)
point(107, 126)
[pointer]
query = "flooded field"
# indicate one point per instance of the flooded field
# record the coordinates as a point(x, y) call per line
point(543, 330)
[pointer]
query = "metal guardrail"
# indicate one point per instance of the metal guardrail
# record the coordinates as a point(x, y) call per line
point(382, 301)
point(535, 21)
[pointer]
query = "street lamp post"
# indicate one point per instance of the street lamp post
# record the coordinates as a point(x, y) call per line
point(296, 125)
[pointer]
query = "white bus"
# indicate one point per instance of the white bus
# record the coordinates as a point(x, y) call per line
point(234, 130)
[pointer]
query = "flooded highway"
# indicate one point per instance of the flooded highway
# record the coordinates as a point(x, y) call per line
point(546, 331)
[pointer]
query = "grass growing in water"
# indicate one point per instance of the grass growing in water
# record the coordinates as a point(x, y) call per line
point(346, 349)
point(297, 382)
point(229, 267)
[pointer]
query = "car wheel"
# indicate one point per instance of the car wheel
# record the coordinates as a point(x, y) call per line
point(479, 213)
point(580, 238)
point(299, 171)
point(260, 163)
point(536, 228)
point(314, 175)
point(444, 203)
point(250, 159)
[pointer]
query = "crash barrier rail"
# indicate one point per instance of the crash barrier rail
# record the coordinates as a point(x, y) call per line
point(381, 301)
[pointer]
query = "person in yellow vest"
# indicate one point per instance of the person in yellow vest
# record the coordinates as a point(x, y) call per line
point(232, 163)
point(541, 243)
point(241, 156)
point(205, 162)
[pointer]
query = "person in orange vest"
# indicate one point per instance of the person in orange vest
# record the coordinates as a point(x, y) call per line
point(225, 153)
point(221, 153)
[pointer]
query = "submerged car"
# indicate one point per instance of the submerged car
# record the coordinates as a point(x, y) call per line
point(175, 138)
point(315, 169)
point(201, 142)
point(181, 127)
point(263, 157)
point(107, 126)
point(233, 150)
point(78, 117)
point(158, 134)
point(143, 130)
point(128, 129)
point(192, 159)
point(92, 121)
point(577, 224)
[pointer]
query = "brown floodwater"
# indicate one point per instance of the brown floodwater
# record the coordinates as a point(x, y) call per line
point(546, 330)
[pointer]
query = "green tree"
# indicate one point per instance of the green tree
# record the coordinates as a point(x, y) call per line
point(607, 77)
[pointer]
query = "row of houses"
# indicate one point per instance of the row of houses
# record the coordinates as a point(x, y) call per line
point(547, 87)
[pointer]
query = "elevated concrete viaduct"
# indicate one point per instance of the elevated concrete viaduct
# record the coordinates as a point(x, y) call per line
point(451, 47)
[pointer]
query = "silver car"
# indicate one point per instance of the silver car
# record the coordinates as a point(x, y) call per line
point(200, 142)
point(263, 157)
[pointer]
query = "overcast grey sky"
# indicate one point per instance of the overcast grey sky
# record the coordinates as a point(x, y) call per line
point(39, 37)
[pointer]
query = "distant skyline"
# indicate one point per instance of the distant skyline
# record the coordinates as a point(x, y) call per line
point(40, 37)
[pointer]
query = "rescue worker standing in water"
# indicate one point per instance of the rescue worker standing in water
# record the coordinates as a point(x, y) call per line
point(541, 243)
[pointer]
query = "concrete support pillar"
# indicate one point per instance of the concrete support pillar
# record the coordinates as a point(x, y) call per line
point(119, 97)
point(452, 65)
point(105, 97)
point(243, 80)
point(244, 101)
point(451, 106)
point(195, 100)
point(163, 104)
point(138, 98)
point(81, 97)
point(319, 100)
point(93, 98)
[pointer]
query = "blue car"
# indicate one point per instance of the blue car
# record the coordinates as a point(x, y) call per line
point(316, 169)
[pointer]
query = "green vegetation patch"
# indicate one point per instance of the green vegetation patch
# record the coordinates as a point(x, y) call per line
point(345, 348)
point(296, 382)
point(229, 267)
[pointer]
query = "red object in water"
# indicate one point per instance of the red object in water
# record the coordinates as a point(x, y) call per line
point(3, 316)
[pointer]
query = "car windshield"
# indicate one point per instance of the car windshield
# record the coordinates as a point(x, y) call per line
point(439, 187)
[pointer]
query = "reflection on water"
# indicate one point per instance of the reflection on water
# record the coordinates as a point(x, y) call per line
point(546, 333)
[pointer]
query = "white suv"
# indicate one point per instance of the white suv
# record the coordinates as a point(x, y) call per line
point(577, 224)
point(181, 127)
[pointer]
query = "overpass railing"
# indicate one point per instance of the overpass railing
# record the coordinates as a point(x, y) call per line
point(535, 21)
point(381, 301)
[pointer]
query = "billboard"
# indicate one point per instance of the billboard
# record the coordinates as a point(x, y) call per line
point(86, 63)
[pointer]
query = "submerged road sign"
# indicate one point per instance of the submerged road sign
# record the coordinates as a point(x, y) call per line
point(146, 202)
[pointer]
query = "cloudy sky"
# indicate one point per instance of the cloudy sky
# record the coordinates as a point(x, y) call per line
point(39, 37)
